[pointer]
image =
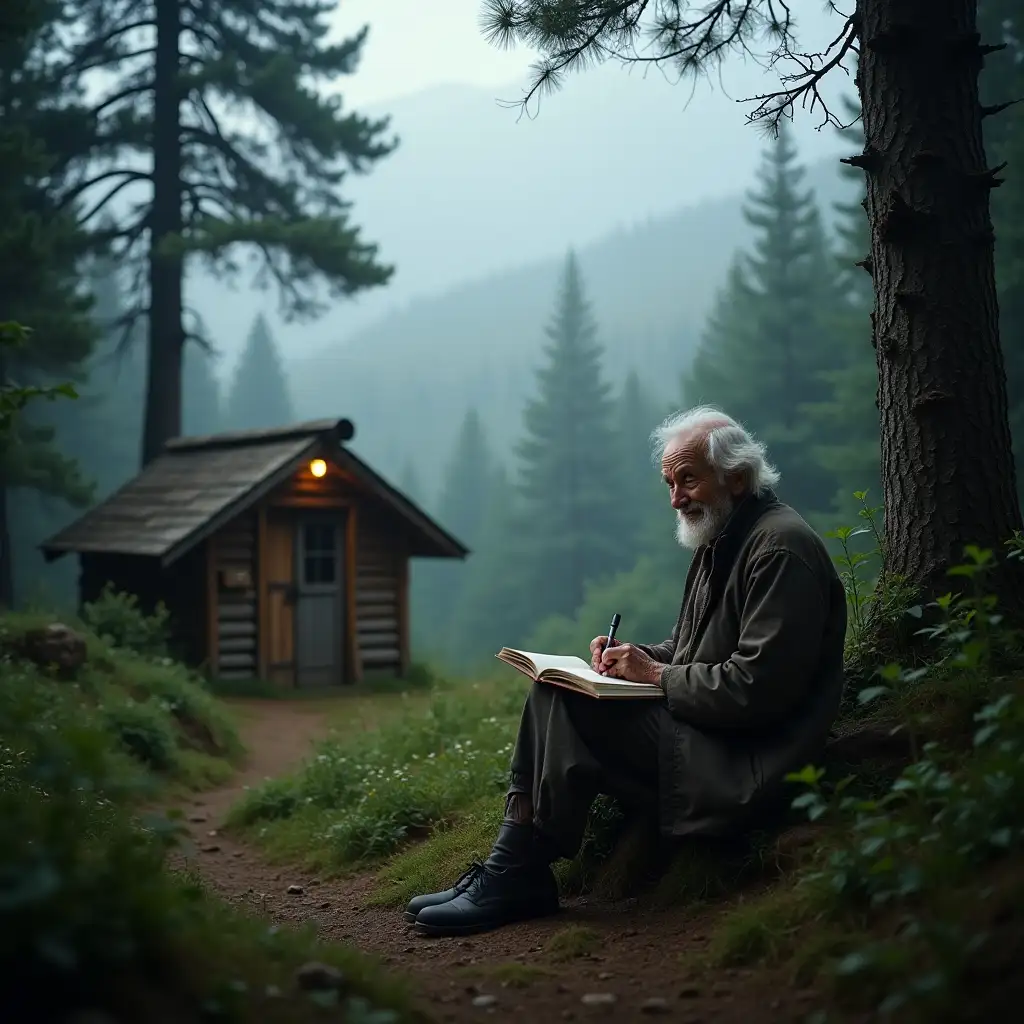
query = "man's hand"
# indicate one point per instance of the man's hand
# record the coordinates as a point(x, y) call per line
point(624, 661)
point(596, 646)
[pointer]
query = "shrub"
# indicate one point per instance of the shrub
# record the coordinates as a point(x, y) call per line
point(142, 730)
point(201, 720)
point(117, 619)
point(78, 877)
point(941, 823)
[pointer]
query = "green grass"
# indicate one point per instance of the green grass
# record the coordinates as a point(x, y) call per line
point(401, 769)
point(90, 916)
point(572, 942)
point(155, 711)
point(512, 973)
point(364, 794)
point(434, 865)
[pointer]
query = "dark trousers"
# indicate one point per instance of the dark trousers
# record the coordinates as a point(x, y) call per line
point(571, 747)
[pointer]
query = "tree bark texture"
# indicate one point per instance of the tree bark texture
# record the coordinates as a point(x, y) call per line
point(166, 269)
point(947, 467)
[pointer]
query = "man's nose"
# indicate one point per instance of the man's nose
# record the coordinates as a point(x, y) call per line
point(678, 500)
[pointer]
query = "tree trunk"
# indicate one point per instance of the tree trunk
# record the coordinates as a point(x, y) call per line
point(947, 468)
point(6, 555)
point(166, 269)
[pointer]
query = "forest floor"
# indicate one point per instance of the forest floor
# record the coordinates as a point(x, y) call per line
point(619, 960)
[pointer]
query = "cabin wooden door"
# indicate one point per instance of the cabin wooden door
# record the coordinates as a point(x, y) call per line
point(319, 599)
point(280, 618)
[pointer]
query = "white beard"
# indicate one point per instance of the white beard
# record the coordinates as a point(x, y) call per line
point(692, 532)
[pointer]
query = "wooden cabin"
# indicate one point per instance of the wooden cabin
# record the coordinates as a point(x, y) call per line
point(279, 553)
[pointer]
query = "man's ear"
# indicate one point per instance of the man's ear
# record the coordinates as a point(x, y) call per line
point(736, 482)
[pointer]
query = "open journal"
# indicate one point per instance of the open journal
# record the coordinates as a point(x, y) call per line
point(575, 674)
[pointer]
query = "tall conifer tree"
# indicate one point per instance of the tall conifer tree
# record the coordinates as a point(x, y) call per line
point(573, 518)
point(40, 245)
point(767, 346)
point(642, 492)
point(259, 392)
point(497, 605)
point(240, 149)
point(200, 400)
point(462, 504)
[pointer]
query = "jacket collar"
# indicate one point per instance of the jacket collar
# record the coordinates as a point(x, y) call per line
point(738, 525)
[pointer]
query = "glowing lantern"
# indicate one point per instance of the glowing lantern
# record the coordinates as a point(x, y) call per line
point(318, 467)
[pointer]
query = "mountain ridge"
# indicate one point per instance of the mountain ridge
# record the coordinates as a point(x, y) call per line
point(479, 342)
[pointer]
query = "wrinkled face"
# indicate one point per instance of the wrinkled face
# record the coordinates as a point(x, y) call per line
point(701, 501)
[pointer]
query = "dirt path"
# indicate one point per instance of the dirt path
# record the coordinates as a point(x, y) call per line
point(637, 972)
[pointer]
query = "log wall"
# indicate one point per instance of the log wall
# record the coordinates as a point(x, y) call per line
point(233, 553)
point(380, 597)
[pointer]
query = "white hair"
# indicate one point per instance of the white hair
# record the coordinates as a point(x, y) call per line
point(729, 447)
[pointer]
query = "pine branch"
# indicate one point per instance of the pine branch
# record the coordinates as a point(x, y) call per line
point(73, 194)
point(96, 51)
point(692, 39)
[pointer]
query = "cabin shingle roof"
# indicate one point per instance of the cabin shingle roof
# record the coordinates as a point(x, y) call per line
point(199, 483)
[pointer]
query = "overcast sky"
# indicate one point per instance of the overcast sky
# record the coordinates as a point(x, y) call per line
point(416, 44)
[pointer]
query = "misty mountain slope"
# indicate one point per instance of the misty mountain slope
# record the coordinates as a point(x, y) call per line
point(473, 188)
point(407, 379)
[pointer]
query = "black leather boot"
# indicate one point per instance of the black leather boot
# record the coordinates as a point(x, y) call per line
point(514, 883)
point(434, 899)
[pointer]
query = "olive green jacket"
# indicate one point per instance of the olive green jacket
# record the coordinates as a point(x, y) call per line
point(754, 670)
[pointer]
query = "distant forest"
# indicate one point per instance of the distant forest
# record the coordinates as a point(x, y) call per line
point(483, 403)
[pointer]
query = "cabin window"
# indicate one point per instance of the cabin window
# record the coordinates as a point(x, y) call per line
point(319, 545)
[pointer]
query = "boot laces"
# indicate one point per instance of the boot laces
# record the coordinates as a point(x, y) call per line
point(470, 875)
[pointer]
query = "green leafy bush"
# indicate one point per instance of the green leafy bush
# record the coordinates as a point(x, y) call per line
point(117, 619)
point(79, 879)
point(142, 729)
point(941, 822)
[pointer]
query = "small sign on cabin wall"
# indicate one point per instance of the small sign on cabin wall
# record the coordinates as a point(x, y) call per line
point(235, 579)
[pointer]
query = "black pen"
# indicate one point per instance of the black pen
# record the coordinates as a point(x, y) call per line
point(616, 619)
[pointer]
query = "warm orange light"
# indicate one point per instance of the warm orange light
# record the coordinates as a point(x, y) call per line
point(318, 467)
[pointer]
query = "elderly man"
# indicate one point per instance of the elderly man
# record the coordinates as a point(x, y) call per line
point(752, 674)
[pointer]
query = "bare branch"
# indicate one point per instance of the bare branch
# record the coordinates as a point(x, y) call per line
point(123, 94)
point(120, 58)
point(773, 106)
point(96, 45)
point(131, 177)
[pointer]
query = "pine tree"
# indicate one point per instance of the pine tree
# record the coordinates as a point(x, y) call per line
point(39, 248)
point(170, 80)
point(200, 400)
point(411, 485)
point(641, 481)
point(497, 604)
point(462, 505)
point(573, 517)
point(464, 491)
point(99, 432)
point(767, 347)
point(259, 392)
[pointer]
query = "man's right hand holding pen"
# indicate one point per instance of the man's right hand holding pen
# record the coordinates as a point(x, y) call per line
point(597, 648)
